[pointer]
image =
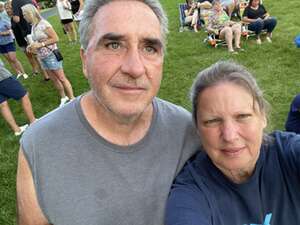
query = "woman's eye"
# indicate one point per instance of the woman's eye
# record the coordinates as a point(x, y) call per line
point(243, 116)
point(212, 122)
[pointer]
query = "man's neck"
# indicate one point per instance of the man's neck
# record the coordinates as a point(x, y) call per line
point(115, 129)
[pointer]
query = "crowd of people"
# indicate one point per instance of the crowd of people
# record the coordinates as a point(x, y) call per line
point(21, 22)
point(226, 18)
point(118, 154)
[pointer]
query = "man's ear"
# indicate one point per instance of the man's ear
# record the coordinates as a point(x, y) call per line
point(83, 60)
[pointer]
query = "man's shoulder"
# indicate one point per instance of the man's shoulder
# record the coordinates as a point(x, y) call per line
point(54, 121)
point(171, 109)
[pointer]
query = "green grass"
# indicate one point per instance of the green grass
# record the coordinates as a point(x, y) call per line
point(276, 67)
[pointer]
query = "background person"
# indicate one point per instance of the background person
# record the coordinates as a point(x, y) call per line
point(22, 43)
point(11, 88)
point(8, 48)
point(66, 18)
point(112, 153)
point(292, 123)
point(259, 19)
point(44, 42)
point(242, 175)
point(220, 24)
point(192, 14)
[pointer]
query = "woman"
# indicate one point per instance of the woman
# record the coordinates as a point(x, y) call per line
point(8, 48)
point(44, 42)
point(242, 176)
point(66, 18)
point(192, 14)
point(259, 19)
point(220, 24)
point(22, 43)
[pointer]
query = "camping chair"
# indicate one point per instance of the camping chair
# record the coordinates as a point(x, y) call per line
point(184, 26)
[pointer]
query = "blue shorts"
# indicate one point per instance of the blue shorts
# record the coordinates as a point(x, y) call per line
point(10, 47)
point(50, 62)
point(11, 88)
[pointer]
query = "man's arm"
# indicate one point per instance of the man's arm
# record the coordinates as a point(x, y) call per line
point(29, 211)
point(16, 19)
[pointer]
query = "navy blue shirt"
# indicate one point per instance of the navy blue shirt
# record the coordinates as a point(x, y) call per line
point(202, 195)
point(293, 121)
point(255, 13)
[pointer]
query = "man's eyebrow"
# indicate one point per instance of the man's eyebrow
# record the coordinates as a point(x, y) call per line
point(111, 37)
point(153, 42)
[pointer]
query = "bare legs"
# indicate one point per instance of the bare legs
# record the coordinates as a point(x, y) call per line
point(61, 83)
point(71, 32)
point(8, 116)
point(230, 33)
point(14, 62)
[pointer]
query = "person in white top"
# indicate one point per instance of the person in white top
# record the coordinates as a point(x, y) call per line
point(66, 17)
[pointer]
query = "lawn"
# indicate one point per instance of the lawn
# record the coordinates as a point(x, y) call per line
point(276, 66)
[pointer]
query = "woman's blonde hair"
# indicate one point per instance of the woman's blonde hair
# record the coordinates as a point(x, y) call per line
point(32, 11)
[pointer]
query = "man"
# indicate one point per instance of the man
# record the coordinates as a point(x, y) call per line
point(110, 156)
point(11, 88)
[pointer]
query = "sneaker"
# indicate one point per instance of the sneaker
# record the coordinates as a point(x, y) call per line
point(269, 39)
point(22, 129)
point(258, 41)
point(63, 101)
point(24, 75)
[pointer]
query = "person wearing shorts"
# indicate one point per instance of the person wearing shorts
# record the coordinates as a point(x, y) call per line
point(12, 88)
point(66, 17)
point(44, 39)
point(7, 47)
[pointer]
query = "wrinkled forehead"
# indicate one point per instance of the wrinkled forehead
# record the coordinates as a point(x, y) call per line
point(126, 18)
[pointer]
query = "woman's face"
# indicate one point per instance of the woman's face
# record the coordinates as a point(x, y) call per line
point(255, 3)
point(230, 127)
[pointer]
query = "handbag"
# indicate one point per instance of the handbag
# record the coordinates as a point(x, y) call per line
point(57, 54)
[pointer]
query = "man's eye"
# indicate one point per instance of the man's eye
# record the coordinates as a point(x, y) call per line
point(150, 49)
point(113, 45)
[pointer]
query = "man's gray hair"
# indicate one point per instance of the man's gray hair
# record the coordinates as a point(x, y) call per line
point(227, 71)
point(92, 6)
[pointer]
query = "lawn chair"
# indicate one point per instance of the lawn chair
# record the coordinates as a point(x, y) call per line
point(184, 26)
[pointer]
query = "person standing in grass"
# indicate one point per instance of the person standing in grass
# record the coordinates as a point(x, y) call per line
point(8, 48)
point(66, 18)
point(109, 157)
point(293, 120)
point(22, 42)
point(44, 42)
point(11, 88)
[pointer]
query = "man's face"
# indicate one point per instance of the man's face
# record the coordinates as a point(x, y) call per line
point(124, 58)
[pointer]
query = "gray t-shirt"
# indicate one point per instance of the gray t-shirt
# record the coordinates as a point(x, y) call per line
point(4, 73)
point(81, 178)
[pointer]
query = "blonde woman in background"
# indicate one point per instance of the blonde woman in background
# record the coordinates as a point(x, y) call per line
point(44, 42)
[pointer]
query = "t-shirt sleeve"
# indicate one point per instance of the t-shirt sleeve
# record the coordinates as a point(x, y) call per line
point(263, 10)
point(187, 204)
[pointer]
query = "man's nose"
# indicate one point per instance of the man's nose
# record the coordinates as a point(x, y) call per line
point(133, 64)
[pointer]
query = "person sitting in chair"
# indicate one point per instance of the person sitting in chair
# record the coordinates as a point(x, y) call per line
point(259, 19)
point(220, 24)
